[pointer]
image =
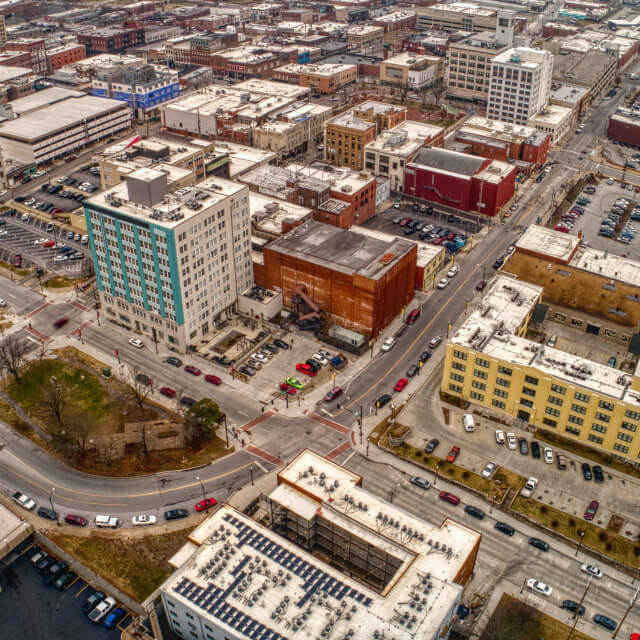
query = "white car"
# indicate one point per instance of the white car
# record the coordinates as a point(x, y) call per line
point(102, 609)
point(24, 500)
point(136, 342)
point(592, 570)
point(499, 436)
point(62, 179)
point(4, 232)
point(582, 126)
point(40, 241)
point(38, 174)
point(443, 283)
point(319, 358)
point(434, 342)
point(388, 344)
point(547, 454)
point(453, 271)
point(539, 587)
point(3, 302)
point(61, 258)
point(489, 470)
point(143, 520)
point(512, 443)
point(529, 487)
point(260, 357)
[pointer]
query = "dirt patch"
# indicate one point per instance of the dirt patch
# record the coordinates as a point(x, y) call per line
point(615, 524)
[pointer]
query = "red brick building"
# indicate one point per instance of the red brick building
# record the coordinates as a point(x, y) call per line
point(110, 40)
point(356, 280)
point(15, 59)
point(66, 54)
point(624, 127)
point(35, 49)
point(460, 181)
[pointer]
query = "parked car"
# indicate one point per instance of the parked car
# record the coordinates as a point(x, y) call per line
point(382, 400)
point(65, 580)
point(113, 618)
point(194, 371)
point(591, 511)
point(453, 453)
point(481, 285)
point(176, 362)
point(295, 383)
point(54, 572)
point(143, 520)
point(434, 342)
point(175, 514)
point(102, 609)
point(572, 606)
point(136, 342)
point(213, 379)
point(523, 446)
point(288, 389)
point(447, 496)
point(431, 445)
point(475, 512)
point(187, 401)
point(78, 521)
point(24, 500)
point(539, 587)
point(535, 449)
point(207, 503)
point(547, 454)
point(443, 283)
point(388, 344)
point(591, 569)
point(307, 369)
point(401, 384)
point(511, 441)
point(45, 512)
point(332, 394)
point(605, 621)
point(413, 371)
point(92, 601)
point(500, 436)
point(505, 528)
point(281, 344)
point(598, 474)
point(168, 392)
point(529, 487)
point(420, 482)
point(586, 471)
point(539, 544)
point(489, 469)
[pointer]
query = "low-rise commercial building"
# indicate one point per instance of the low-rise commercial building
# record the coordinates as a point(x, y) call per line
point(365, 38)
point(624, 127)
point(110, 39)
point(285, 139)
point(360, 282)
point(465, 183)
point(556, 121)
point(325, 79)
point(62, 128)
point(457, 16)
point(403, 20)
point(571, 96)
point(64, 54)
point(411, 70)
point(35, 47)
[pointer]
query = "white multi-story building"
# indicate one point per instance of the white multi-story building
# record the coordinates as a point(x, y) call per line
point(169, 266)
point(520, 84)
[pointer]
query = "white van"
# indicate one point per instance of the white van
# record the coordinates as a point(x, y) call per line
point(106, 521)
point(468, 422)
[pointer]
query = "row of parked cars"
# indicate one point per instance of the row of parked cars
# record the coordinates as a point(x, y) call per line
point(610, 226)
point(435, 235)
point(263, 356)
point(569, 219)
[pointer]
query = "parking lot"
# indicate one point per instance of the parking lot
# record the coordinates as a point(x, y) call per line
point(602, 202)
point(31, 610)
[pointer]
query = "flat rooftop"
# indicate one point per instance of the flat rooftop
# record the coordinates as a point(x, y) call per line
point(547, 242)
point(449, 161)
point(11, 73)
point(553, 114)
point(348, 120)
point(43, 98)
point(269, 214)
point(342, 250)
point(404, 138)
point(272, 88)
point(463, 7)
point(326, 70)
point(410, 59)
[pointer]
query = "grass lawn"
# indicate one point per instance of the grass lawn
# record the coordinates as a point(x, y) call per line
point(60, 282)
point(606, 542)
point(516, 620)
point(17, 270)
point(135, 565)
point(579, 449)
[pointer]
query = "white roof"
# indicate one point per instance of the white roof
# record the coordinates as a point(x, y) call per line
point(545, 241)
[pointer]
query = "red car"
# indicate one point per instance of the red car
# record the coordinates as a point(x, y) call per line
point(60, 322)
point(404, 222)
point(287, 388)
point(194, 371)
point(438, 241)
point(213, 379)
point(332, 394)
point(559, 227)
point(207, 503)
point(79, 521)
point(401, 384)
point(168, 391)
point(453, 454)
point(413, 316)
point(481, 285)
point(591, 510)
point(48, 243)
point(449, 497)
point(303, 367)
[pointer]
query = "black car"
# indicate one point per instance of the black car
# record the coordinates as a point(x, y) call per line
point(605, 622)
point(175, 514)
point(598, 474)
point(49, 514)
point(497, 264)
point(247, 370)
point(54, 572)
point(505, 528)
point(271, 347)
point(474, 511)
point(539, 544)
point(281, 343)
point(313, 364)
point(572, 606)
point(176, 362)
point(524, 446)
point(413, 370)
point(425, 355)
point(90, 603)
point(43, 565)
point(586, 471)
point(382, 400)
point(187, 401)
point(535, 449)
point(65, 580)
point(431, 445)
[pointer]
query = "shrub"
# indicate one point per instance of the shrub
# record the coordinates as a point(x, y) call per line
point(543, 508)
point(602, 536)
point(554, 524)
point(572, 522)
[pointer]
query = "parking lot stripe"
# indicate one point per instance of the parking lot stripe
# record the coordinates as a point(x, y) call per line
point(76, 580)
point(27, 549)
point(86, 584)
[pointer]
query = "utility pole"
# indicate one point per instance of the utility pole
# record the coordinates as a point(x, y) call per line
point(577, 611)
point(626, 613)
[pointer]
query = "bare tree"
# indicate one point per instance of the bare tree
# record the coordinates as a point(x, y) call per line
point(140, 387)
point(54, 400)
point(13, 351)
point(79, 427)
point(43, 350)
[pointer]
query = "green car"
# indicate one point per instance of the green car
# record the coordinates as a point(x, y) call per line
point(295, 383)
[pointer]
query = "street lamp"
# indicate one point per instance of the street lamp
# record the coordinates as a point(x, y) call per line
point(226, 433)
point(204, 495)
point(581, 534)
point(53, 489)
point(358, 416)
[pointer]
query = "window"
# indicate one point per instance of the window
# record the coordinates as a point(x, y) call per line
point(629, 426)
point(503, 382)
point(480, 374)
point(477, 396)
point(575, 432)
point(634, 415)
point(556, 401)
point(529, 392)
point(531, 380)
point(478, 385)
point(558, 389)
point(602, 416)
point(507, 372)
point(578, 408)
point(500, 393)
point(600, 428)
point(499, 404)
point(458, 365)
point(461, 355)
point(526, 403)
point(606, 405)
point(575, 420)
point(621, 448)
point(455, 388)
point(552, 412)
point(596, 439)
point(625, 437)
point(549, 422)
point(581, 397)
point(482, 363)
point(457, 377)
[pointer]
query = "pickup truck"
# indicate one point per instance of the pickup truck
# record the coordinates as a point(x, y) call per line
point(24, 501)
point(338, 361)
point(529, 487)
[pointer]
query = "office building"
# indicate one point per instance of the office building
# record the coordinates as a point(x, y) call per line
point(325, 79)
point(170, 266)
point(520, 84)
point(457, 16)
point(411, 70)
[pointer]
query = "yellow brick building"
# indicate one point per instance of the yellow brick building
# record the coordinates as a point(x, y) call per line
point(490, 363)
